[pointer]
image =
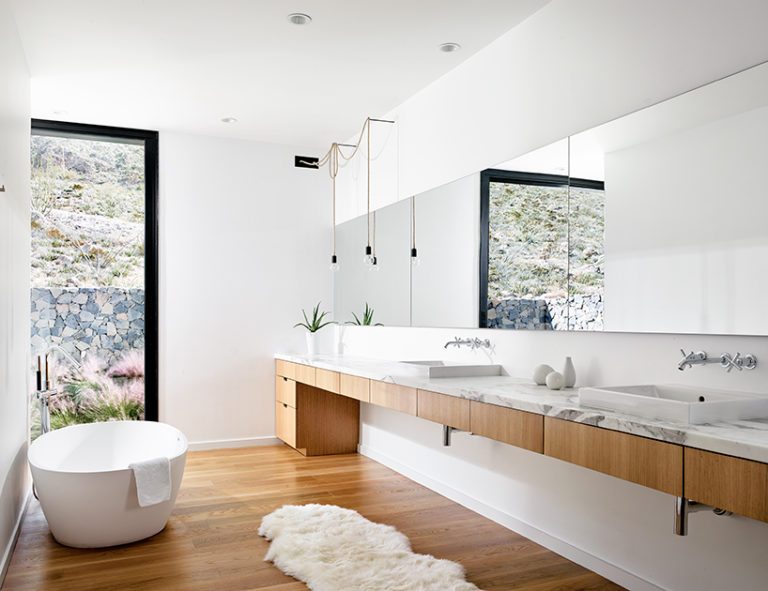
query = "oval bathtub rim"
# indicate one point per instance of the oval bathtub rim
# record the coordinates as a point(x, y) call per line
point(181, 454)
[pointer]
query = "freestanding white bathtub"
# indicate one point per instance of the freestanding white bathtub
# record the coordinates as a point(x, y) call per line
point(87, 491)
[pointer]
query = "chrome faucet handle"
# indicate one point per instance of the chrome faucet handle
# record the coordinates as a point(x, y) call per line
point(750, 361)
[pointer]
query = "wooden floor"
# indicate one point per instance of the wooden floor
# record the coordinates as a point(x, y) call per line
point(211, 541)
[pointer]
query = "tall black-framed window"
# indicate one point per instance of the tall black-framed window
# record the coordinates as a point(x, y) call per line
point(121, 318)
point(539, 204)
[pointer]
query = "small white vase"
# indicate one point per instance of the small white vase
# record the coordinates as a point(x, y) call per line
point(311, 344)
point(569, 373)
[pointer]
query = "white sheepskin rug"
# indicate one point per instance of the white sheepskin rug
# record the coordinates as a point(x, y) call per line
point(335, 549)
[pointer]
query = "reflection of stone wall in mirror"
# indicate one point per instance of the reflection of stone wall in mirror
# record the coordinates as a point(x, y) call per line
point(445, 283)
point(686, 211)
point(387, 290)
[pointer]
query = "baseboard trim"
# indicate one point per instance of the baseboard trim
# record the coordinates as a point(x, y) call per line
point(8, 554)
point(227, 443)
point(609, 571)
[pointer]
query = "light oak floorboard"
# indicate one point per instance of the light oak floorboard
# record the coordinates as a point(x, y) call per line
point(212, 542)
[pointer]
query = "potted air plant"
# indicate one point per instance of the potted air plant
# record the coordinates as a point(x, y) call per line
point(313, 325)
point(367, 319)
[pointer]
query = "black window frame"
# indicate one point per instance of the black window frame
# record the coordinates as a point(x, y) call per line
point(496, 175)
point(151, 240)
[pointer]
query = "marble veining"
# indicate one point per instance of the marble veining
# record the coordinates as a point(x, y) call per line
point(746, 439)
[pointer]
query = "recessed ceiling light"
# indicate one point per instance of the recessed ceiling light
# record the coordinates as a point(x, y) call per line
point(228, 120)
point(299, 18)
point(449, 47)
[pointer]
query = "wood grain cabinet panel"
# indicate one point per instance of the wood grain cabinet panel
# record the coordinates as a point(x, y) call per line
point(726, 482)
point(285, 369)
point(444, 409)
point(515, 427)
point(654, 464)
point(401, 398)
point(285, 423)
point(355, 387)
point(327, 380)
point(285, 391)
point(305, 374)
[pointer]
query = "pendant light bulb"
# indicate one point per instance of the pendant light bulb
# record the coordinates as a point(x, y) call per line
point(368, 256)
point(334, 263)
point(374, 266)
point(415, 260)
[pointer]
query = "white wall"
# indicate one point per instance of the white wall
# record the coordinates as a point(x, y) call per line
point(686, 240)
point(569, 67)
point(245, 244)
point(14, 280)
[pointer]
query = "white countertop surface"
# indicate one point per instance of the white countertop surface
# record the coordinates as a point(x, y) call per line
point(744, 439)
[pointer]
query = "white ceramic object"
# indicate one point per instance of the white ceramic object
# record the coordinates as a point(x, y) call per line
point(86, 490)
point(569, 373)
point(338, 339)
point(541, 372)
point(555, 380)
point(684, 404)
point(311, 344)
point(440, 369)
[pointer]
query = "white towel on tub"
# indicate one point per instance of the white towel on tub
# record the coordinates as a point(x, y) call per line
point(153, 480)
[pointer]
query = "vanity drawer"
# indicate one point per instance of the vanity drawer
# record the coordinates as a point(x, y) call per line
point(327, 380)
point(355, 387)
point(285, 369)
point(515, 427)
point(729, 483)
point(443, 409)
point(285, 423)
point(304, 374)
point(392, 396)
point(648, 462)
point(285, 391)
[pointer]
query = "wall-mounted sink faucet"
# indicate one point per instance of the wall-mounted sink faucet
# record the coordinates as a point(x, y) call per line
point(471, 343)
point(726, 360)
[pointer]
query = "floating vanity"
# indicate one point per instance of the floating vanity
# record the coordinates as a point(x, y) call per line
point(724, 464)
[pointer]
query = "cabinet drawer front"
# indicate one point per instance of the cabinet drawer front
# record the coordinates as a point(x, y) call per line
point(285, 423)
point(285, 391)
point(654, 464)
point(443, 409)
point(729, 483)
point(305, 374)
point(327, 380)
point(515, 427)
point(355, 387)
point(285, 369)
point(392, 396)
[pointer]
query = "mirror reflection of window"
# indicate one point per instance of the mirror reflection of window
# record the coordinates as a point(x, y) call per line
point(543, 236)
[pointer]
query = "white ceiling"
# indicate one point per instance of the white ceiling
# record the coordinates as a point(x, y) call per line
point(185, 64)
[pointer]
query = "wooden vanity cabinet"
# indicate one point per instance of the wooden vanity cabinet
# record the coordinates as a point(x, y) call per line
point(388, 395)
point(515, 427)
point(312, 420)
point(355, 387)
point(443, 409)
point(655, 464)
point(729, 483)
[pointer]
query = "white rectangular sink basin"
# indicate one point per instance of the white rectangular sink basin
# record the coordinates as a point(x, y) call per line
point(440, 369)
point(683, 404)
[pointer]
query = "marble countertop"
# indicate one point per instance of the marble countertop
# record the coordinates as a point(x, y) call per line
point(746, 439)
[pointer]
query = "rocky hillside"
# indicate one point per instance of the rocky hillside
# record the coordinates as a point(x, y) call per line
point(87, 213)
point(529, 237)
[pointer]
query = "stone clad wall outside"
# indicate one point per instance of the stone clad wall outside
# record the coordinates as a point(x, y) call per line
point(103, 320)
point(586, 313)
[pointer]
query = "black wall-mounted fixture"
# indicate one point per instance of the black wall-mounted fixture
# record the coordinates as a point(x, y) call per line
point(306, 162)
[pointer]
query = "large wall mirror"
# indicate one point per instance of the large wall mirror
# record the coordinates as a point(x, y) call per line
point(653, 222)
